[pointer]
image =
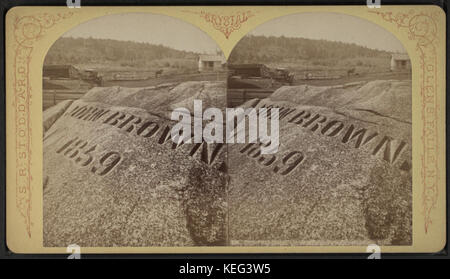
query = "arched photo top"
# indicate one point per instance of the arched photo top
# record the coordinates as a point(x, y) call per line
point(332, 27)
point(129, 50)
point(323, 50)
point(148, 28)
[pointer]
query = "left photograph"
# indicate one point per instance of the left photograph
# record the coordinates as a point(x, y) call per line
point(112, 176)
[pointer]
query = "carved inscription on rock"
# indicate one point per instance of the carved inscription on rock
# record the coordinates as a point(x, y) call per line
point(84, 154)
point(152, 129)
point(378, 145)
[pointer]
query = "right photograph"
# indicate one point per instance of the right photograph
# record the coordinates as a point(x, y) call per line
point(342, 174)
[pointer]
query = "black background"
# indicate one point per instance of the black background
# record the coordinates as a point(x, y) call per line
point(168, 264)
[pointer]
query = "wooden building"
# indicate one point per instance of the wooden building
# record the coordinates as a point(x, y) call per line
point(400, 62)
point(208, 63)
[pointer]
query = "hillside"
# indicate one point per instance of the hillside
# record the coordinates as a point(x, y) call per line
point(277, 49)
point(99, 53)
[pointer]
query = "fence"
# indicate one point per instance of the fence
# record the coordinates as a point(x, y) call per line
point(52, 97)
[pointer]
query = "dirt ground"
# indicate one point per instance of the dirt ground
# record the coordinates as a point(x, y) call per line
point(355, 78)
point(167, 79)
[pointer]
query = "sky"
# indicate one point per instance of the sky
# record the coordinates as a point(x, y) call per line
point(149, 28)
point(332, 27)
point(155, 29)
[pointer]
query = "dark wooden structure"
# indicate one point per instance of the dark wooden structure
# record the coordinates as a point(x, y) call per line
point(60, 71)
point(249, 70)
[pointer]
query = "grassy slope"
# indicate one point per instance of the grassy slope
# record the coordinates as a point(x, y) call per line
point(114, 55)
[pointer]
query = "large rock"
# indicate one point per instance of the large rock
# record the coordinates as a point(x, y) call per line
point(341, 176)
point(385, 97)
point(113, 176)
point(53, 113)
point(162, 99)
